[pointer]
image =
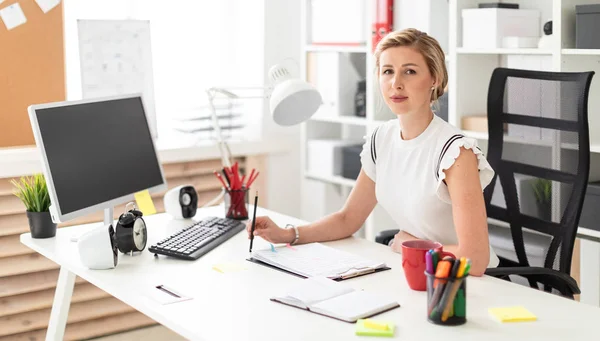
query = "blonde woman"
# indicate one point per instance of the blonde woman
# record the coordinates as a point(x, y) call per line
point(426, 175)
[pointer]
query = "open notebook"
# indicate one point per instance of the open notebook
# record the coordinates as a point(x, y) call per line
point(324, 296)
point(316, 259)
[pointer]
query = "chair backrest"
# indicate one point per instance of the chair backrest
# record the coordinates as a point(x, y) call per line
point(539, 148)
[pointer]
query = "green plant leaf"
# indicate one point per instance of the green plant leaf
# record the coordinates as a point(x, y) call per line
point(33, 192)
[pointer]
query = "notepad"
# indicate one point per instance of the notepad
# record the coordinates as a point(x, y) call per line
point(316, 259)
point(365, 327)
point(324, 296)
point(512, 314)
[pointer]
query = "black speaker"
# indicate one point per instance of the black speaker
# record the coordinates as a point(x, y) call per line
point(181, 202)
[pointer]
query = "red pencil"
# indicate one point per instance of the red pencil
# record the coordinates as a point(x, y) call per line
point(220, 178)
point(250, 181)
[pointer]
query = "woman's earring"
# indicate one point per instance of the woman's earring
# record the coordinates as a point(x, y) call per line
point(432, 88)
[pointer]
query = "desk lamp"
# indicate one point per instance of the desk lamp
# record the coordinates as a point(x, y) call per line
point(292, 101)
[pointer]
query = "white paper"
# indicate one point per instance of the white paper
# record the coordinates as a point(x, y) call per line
point(13, 16)
point(47, 5)
point(316, 259)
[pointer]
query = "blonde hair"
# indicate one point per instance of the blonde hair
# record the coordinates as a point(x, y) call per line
point(426, 45)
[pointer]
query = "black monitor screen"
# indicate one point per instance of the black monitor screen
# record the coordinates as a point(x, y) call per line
point(98, 151)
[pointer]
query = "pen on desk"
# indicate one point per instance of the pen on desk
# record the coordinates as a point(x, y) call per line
point(253, 221)
point(162, 287)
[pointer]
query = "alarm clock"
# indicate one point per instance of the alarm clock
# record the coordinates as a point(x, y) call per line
point(131, 233)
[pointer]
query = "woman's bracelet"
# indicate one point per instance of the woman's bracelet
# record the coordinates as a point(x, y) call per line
point(297, 233)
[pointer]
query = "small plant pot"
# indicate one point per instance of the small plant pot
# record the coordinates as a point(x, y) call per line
point(41, 225)
point(544, 211)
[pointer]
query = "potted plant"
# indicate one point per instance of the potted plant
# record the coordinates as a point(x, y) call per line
point(542, 189)
point(33, 192)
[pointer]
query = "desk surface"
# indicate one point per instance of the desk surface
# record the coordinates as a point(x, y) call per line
point(236, 305)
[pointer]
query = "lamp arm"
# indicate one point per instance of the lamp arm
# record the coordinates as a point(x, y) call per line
point(223, 147)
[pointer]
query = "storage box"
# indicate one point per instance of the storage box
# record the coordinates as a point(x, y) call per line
point(520, 42)
point(587, 25)
point(351, 164)
point(338, 22)
point(590, 213)
point(324, 156)
point(475, 123)
point(486, 27)
point(336, 78)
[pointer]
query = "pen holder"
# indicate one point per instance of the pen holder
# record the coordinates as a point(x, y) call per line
point(236, 204)
point(446, 300)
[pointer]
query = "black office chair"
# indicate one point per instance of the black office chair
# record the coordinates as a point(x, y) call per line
point(549, 110)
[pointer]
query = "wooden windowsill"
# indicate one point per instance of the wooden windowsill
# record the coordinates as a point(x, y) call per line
point(26, 160)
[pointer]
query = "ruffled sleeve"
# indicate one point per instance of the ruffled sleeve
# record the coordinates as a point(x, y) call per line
point(486, 173)
point(367, 155)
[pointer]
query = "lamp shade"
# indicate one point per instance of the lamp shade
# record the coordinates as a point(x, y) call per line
point(292, 100)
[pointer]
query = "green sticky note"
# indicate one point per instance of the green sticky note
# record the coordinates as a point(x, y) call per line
point(378, 328)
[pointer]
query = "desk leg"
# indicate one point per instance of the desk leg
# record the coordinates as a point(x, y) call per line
point(590, 272)
point(61, 305)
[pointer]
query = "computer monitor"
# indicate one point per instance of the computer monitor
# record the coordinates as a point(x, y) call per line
point(96, 153)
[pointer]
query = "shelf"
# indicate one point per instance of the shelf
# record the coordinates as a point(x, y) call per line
point(534, 51)
point(581, 52)
point(333, 179)
point(507, 138)
point(336, 48)
point(594, 148)
point(353, 120)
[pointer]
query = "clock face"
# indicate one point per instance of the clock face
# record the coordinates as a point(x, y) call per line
point(139, 234)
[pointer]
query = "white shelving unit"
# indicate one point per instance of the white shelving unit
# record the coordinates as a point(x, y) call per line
point(469, 72)
point(326, 193)
point(470, 69)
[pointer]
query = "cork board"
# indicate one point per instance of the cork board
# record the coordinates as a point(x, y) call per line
point(32, 69)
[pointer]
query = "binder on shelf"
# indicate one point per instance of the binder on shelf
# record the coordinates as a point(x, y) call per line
point(383, 21)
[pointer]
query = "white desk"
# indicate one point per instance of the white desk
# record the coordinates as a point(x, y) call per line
point(236, 306)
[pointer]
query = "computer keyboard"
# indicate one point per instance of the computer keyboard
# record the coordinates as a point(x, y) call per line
point(194, 241)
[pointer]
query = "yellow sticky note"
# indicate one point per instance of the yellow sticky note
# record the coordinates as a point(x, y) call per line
point(144, 202)
point(365, 327)
point(375, 325)
point(228, 267)
point(512, 314)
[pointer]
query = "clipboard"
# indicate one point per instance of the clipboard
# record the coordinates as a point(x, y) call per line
point(338, 279)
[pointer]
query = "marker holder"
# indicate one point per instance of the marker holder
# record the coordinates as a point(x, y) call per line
point(446, 294)
point(236, 204)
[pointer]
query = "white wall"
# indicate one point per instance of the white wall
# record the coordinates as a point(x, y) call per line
point(282, 41)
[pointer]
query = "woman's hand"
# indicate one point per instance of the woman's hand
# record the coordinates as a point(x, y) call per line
point(269, 231)
point(399, 238)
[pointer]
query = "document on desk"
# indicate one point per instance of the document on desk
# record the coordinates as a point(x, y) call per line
point(315, 259)
point(324, 296)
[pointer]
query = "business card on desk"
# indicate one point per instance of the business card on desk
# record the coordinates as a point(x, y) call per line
point(164, 294)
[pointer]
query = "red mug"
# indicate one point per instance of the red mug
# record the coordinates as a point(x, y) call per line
point(413, 261)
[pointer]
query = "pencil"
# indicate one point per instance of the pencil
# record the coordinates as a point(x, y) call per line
point(253, 221)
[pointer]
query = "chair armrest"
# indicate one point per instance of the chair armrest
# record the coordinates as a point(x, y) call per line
point(555, 279)
point(386, 236)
